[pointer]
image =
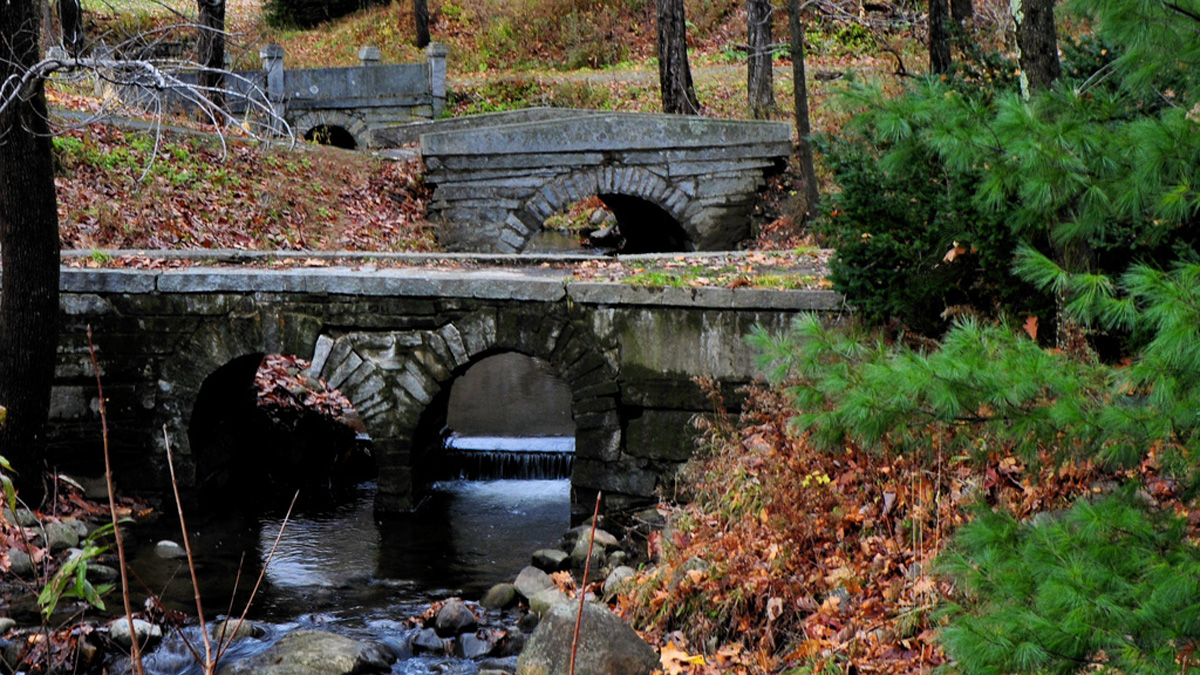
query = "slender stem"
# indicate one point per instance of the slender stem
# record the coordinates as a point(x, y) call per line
point(135, 650)
point(587, 566)
point(187, 548)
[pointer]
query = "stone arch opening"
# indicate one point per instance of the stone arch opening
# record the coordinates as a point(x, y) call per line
point(262, 428)
point(504, 414)
point(326, 126)
point(336, 136)
point(651, 215)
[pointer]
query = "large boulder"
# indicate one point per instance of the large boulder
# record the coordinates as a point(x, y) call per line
point(455, 618)
point(531, 580)
point(308, 652)
point(607, 645)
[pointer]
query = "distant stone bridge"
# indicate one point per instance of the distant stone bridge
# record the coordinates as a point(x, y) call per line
point(180, 348)
point(350, 107)
point(674, 183)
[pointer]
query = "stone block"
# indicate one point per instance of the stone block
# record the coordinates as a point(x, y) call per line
point(662, 435)
point(609, 477)
point(602, 443)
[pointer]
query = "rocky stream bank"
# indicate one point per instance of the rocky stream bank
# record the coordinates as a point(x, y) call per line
point(524, 626)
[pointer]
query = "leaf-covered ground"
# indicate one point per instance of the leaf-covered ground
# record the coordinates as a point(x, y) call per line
point(790, 559)
point(135, 190)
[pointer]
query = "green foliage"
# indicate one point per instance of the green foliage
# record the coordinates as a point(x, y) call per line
point(1105, 587)
point(6, 482)
point(984, 388)
point(899, 211)
point(71, 579)
point(1105, 165)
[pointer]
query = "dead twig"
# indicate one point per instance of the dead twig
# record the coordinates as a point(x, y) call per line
point(135, 650)
point(587, 566)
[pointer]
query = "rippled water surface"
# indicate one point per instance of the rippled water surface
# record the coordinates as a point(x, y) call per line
point(340, 569)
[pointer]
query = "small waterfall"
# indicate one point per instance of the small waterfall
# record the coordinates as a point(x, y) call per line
point(505, 457)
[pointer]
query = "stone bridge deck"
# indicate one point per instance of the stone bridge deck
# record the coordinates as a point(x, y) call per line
point(174, 347)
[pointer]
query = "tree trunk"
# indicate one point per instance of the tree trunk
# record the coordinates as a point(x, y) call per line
point(29, 251)
point(939, 37)
point(1037, 44)
point(421, 17)
point(210, 47)
point(760, 85)
point(803, 130)
point(674, 74)
point(961, 10)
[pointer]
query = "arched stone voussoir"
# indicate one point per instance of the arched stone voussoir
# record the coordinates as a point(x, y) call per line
point(559, 192)
point(354, 125)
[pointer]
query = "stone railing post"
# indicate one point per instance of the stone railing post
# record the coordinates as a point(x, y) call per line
point(369, 56)
point(436, 54)
point(272, 63)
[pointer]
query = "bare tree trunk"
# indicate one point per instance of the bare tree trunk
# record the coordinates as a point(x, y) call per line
point(939, 37)
point(1037, 44)
point(803, 130)
point(210, 48)
point(421, 17)
point(961, 10)
point(760, 85)
point(674, 74)
point(29, 250)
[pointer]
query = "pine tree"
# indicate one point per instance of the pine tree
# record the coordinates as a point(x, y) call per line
point(1109, 158)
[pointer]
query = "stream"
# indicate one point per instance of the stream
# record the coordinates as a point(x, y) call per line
point(341, 570)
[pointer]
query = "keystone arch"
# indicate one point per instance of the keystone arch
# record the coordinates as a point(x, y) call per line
point(353, 125)
point(400, 382)
point(652, 214)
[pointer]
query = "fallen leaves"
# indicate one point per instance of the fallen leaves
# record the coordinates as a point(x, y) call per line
point(122, 189)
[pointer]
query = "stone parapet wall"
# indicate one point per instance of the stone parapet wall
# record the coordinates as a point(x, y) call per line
point(392, 340)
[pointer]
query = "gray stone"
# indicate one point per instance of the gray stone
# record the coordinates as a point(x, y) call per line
point(20, 563)
point(579, 555)
point(80, 527)
point(60, 537)
point(584, 532)
point(233, 629)
point(550, 559)
point(500, 596)
point(427, 640)
point(101, 574)
point(546, 599)
point(616, 578)
point(498, 666)
point(148, 634)
point(528, 622)
point(531, 580)
point(307, 652)
point(471, 646)
point(169, 550)
point(6, 624)
point(22, 517)
point(455, 618)
point(616, 559)
point(607, 645)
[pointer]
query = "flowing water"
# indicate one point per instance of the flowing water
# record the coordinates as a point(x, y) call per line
point(341, 569)
point(503, 491)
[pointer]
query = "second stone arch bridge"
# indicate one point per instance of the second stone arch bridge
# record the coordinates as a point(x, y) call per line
point(674, 183)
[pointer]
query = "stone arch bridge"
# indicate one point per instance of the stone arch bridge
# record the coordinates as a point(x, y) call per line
point(173, 346)
point(674, 183)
